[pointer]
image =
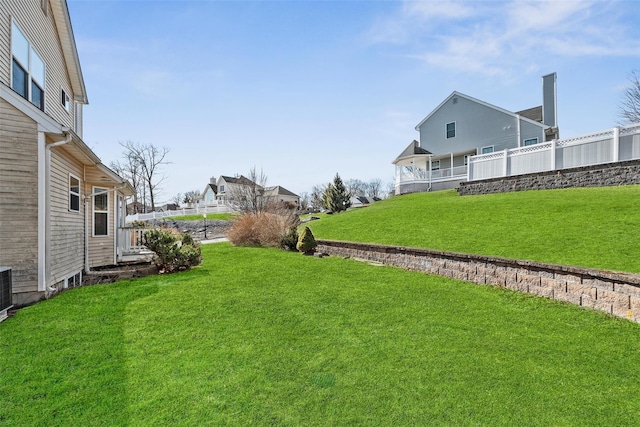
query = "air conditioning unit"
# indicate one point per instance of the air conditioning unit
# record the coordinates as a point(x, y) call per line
point(5, 292)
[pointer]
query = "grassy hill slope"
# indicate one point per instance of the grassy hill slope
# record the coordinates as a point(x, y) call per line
point(590, 227)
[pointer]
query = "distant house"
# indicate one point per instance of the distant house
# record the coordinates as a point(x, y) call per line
point(61, 209)
point(282, 195)
point(168, 207)
point(462, 126)
point(209, 194)
point(227, 186)
point(360, 201)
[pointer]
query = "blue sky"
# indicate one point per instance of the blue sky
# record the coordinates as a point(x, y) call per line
point(307, 89)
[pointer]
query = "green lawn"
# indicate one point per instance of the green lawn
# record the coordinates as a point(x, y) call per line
point(590, 227)
point(265, 337)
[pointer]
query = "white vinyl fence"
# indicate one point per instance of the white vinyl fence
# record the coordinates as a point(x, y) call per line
point(613, 145)
point(179, 212)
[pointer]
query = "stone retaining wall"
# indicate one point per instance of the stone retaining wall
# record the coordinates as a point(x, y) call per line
point(613, 292)
point(603, 175)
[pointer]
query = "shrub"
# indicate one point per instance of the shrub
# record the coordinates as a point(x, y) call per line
point(173, 251)
point(262, 228)
point(307, 242)
point(289, 241)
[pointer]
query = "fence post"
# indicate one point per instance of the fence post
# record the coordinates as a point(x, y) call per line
point(616, 144)
point(505, 166)
point(553, 155)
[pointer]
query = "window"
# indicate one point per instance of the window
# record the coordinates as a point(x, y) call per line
point(100, 212)
point(451, 130)
point(222, 188)
point(466, 159)
point(64, 99)
point(27, 69)
point(74, 194)
point(435, 165)
point(530, 141)
point(486, 150)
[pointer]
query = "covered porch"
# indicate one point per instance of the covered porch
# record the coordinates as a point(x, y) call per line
point(419, 170)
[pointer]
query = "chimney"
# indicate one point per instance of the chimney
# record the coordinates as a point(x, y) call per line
point(549, 100)
point(212, 180)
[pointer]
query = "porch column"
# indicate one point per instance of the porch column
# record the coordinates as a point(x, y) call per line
point(616, 144)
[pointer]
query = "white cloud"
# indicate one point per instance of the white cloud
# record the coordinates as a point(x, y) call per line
point(496, 38)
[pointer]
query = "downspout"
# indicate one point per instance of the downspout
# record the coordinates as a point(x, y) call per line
point(68, 138)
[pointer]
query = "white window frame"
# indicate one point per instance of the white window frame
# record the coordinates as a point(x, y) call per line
point(446, 130)
point(524, 142)
point(65, 100)
point(482, 150)
point(435, 165)
point(31, 78)
point(74, 194)
point(96, 191)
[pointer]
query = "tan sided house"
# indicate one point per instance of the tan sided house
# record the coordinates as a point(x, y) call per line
point(61, 209)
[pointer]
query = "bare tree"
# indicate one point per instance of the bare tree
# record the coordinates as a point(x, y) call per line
point(129, 168)
point(374, 187)
point(355, 187)
point(305, 200)
point(629, 109)
point(317, 196)
point(191, 196)
point(177, 199)
point(247, 194)
point(146, 160)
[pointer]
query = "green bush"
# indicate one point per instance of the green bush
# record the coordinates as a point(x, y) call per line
point(307, 242)
point(289, 241)
point(174, 251)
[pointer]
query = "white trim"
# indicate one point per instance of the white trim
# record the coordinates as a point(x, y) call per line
point(94, 193)
point(74, 194)
point(42, 211)
point(488, 146)
point(45, 122)
point(446, 130)
point(486, 104)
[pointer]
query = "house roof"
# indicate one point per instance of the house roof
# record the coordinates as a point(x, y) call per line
point(534, 113)
point(412, 149)
point(242, 180)
point(279, 191)
point(486, 104)
point(69, 49)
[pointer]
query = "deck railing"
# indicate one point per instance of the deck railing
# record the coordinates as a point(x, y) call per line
point(130, 240)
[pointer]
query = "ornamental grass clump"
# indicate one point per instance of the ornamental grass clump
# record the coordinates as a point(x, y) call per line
point(268, 229)
point(174, 251)
point(307, 242)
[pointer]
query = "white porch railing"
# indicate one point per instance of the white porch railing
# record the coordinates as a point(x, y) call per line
point(130, 240)
point(185, 211)
point(612, 145)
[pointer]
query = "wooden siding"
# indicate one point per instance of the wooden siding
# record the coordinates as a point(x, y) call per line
point(40, 30)
point(19, 197)
point(66, 235)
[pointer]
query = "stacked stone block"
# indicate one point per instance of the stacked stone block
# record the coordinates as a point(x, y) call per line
point(615, 293)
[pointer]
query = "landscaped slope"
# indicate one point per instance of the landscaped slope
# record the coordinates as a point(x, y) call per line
point(265, 337)
point(589, 227)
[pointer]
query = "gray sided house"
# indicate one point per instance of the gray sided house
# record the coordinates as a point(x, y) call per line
point(461, 127)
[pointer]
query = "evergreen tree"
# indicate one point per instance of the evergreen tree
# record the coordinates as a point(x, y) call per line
point(336, 197)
